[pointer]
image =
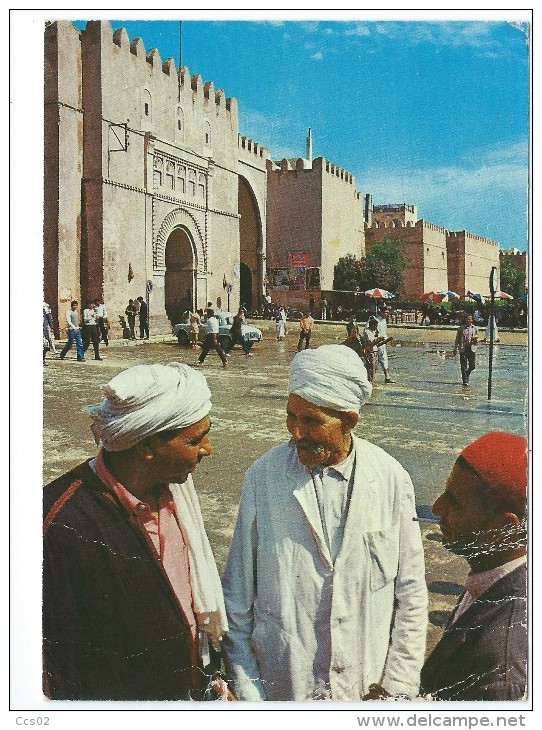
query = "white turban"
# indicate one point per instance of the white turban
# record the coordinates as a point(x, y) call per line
point(147, 399)
point(331, 376)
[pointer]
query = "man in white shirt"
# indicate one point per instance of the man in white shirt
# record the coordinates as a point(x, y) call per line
point(482, 654)
point(324, 585)
point(90, 330)
point(382, 321)
point(74, 333)
point(211, 342)
point(101, 320)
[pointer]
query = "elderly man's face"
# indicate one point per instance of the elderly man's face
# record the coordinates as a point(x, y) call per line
point(322, 436)
point(465, 515)
point(177, 453)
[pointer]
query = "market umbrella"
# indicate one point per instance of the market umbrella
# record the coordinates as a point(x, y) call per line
point(433, 297)
point(378, 294)
point(452, 294)
point(476, 296)
point(502, 295)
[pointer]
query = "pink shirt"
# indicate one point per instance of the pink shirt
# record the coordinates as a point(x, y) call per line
point(164, 532)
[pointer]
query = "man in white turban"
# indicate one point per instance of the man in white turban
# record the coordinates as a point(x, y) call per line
point(132, 602)
point(324, 586)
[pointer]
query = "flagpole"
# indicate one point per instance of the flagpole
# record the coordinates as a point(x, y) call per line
point(180, 57)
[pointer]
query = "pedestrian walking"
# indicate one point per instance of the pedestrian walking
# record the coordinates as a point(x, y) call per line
point(382, 321)
point(143, 319)
point(101, 321)
point(352, 327)
point(46, 343)
point(90, 330)
point(236, 333)
point(50, 332)
point(195, 321)
point(305, 324)
point(130, 313)
point(74, 332)
point(369, 341)
point(211, 340)
point(466, 340)
point(487, 334)
point(280, 323)
point(324, 308)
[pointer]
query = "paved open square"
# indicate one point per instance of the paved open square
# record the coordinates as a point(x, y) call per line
point(423, 419)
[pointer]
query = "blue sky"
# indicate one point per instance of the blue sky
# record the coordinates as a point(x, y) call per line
point(430, 113)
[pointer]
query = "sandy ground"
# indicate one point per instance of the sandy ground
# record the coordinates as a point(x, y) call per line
point(423, 419)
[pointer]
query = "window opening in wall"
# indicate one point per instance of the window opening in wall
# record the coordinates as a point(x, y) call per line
point(157, 172)
point(207, 133)
point(146, 100)
point(170, 175)
point(181, 177)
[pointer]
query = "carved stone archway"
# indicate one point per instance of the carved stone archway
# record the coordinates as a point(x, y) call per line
point(179, 218)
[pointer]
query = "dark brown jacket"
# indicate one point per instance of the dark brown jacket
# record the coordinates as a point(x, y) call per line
point(112, 626)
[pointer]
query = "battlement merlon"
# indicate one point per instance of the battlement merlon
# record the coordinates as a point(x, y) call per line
point(515, 252)
point(319, 164)
point(102, 32)
point(431, 226)
point(249, 145)
point(473, 236)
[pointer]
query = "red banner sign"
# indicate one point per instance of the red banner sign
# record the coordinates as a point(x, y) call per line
point(298, 258)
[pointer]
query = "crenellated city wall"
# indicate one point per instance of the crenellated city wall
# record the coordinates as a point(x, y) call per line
point(313, 207)
point(144, 152)
point(424, 247)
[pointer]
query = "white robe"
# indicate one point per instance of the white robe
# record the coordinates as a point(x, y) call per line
point(283, 592)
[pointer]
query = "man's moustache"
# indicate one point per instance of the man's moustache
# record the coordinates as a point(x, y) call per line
point(307, 445)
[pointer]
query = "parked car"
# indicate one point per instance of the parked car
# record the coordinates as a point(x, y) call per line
point(225, 322)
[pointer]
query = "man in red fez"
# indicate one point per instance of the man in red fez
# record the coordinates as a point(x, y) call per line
point(482, 654)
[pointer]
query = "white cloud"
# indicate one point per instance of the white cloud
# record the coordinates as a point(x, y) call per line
point(360, 30)
point(269, 131)
point(318, 56)
point(311, 26)
point(476, 34)
point(458, 196)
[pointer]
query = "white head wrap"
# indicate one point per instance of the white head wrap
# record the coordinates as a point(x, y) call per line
point(147, 399)
point(331, 376)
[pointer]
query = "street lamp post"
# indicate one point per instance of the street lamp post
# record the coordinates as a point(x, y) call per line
point(491, 321)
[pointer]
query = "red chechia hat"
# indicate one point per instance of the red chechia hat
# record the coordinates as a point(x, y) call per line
point(500, 460)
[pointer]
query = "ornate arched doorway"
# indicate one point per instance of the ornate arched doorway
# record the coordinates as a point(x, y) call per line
point(180, 264)
point(250, 246)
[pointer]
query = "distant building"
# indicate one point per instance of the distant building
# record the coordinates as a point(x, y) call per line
point(315, 216)
point(519, 259)
point(470, 260)
point(438, 259)
point(424, 246)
